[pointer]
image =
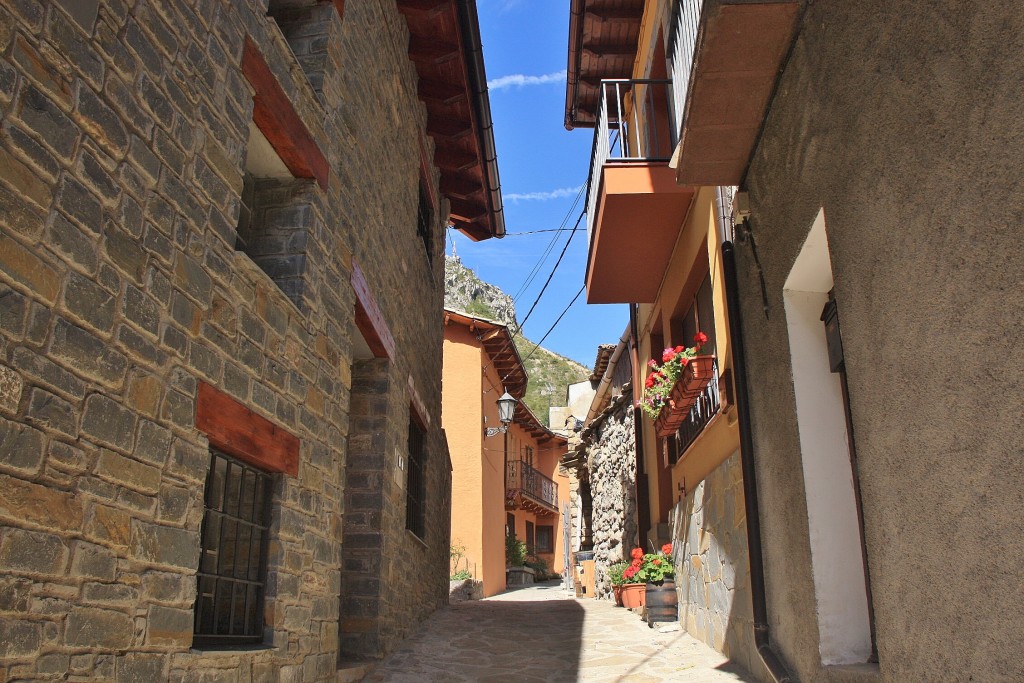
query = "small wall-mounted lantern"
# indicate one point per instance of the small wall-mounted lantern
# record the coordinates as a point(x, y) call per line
point(506, 408)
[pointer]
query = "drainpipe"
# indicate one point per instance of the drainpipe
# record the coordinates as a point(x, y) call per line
point(762, 635)
point(606, 378)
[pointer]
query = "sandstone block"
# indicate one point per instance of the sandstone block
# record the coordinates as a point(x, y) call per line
point(108, 422)
point(165, 545)
point(32, 552)
point(87, 353)
point(169, 626)
point(10, 389)
point(19, 638)
point(93, 561)
point(21, 447)
point(140, 668)
point(36, 504)
point(98, 628)
point(127, 472)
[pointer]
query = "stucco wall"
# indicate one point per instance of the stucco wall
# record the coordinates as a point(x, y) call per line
point(901, 121)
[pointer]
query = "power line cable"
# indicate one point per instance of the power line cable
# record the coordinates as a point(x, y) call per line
point(554, 325)
point(544, 257)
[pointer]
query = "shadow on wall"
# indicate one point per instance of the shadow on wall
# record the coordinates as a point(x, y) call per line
point(715, 601)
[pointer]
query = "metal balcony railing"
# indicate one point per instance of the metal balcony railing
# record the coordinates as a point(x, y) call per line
point(703, 410)
point(633, 125)
point(522, 477)
point(682, 42)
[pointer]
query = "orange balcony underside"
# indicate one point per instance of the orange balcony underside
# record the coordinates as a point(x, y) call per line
point(732, 83)
point(640, 211)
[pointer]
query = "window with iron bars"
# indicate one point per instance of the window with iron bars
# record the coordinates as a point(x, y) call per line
point(232, 565)
point(415, 489)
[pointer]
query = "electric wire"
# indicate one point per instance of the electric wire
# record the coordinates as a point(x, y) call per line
point(554, 325)
point(544, 256)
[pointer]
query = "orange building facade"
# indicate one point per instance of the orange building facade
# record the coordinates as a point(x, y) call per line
point(505, 483)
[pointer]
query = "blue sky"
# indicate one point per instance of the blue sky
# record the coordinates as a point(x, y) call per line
point(542, 167)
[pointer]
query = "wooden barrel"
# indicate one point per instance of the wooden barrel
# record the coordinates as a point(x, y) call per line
point(661, 602)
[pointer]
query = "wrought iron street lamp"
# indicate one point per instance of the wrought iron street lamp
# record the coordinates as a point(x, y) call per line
point(506, 408)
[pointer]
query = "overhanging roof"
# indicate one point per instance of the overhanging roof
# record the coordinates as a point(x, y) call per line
point(497, 342)
point(603, 38)
point(444, 45)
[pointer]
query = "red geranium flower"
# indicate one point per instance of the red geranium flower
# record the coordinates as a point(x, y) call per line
point(666, 549)
point(701, 339)
point(679, 349)
point(656, 561)
point(649, 382)
point(637, 554)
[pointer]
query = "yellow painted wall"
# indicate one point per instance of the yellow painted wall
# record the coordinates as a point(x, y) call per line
point(698, 239)
point(477, 479)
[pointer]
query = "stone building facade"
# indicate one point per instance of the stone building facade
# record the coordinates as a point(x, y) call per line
point(215, 252)
point(611, 465)
point(712, 567)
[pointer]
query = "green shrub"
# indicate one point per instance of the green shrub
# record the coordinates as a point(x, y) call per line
point(462, 575)
point(615, 573)
point(515, 551)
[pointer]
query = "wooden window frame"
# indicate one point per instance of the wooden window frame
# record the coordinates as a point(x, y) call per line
point(550, 531)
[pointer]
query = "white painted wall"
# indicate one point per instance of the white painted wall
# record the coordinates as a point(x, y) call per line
point(836, 551)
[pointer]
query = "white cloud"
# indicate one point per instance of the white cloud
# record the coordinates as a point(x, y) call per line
point(542, 196)
point(519, 80)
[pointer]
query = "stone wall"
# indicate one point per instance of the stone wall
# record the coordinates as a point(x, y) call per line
point(712, 567)
point(124, 135)
point(612, 466)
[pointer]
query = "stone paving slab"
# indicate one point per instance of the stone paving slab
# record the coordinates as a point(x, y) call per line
point(541, 634)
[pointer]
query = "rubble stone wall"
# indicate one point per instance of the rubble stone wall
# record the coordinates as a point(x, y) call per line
point(612, 459)
point(124, 133)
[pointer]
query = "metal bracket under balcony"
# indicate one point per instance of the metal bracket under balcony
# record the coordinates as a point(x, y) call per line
point(528, 489)
point(635, 208)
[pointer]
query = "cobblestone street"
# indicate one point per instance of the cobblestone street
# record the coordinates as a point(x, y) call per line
point(540, 634)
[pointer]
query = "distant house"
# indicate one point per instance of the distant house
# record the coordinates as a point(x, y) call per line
point(221, 242)
point(790, 177)
point(506, 480)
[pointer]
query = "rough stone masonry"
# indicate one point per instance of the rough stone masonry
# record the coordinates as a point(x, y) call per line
point(124, 137)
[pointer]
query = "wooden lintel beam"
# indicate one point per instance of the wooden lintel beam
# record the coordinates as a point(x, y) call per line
point(442, 93)
point(453, 129)
point(424, 50)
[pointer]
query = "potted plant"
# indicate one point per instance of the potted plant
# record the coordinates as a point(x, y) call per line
point(632, 587)
point(615, 573)
point(657, 570)
point(516, 571)
point(672, 387)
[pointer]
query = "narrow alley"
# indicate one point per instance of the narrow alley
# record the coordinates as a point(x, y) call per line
point(541, 633)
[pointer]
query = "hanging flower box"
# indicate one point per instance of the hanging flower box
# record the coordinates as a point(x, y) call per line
point(694, 378)
point(673, 386)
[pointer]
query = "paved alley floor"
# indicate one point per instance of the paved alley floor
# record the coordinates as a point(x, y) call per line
point(541, 634)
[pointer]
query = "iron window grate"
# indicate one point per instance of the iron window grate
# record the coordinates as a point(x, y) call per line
point(232, 564)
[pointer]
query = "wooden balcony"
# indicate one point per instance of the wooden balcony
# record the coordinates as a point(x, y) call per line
point(528, 489)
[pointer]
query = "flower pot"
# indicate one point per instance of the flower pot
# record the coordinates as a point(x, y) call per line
point(662, 601)
point(695, 377)
point(617, 591)
point(633, 595)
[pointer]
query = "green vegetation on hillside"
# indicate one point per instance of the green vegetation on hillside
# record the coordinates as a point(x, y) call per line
point(549, 375)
